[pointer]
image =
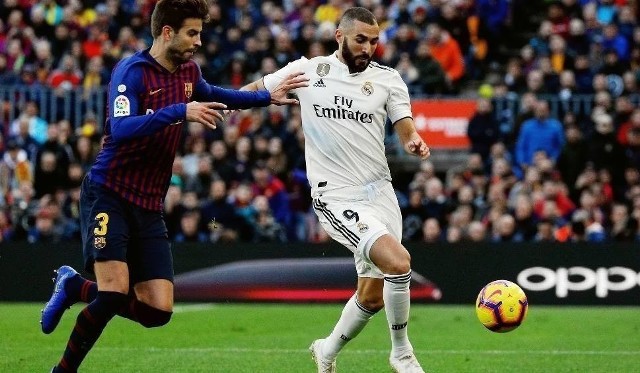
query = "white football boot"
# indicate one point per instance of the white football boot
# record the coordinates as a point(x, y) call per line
point(405, 364)
point(324, 365)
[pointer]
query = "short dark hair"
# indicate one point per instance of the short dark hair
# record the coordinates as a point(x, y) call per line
point(357, 14)
point(172, 13)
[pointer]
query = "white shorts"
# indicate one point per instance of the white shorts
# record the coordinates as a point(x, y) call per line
point(357, 216)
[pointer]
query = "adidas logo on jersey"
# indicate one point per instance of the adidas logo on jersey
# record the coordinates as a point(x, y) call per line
point(319, 84)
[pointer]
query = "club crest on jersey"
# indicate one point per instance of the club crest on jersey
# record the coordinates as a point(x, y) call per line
point(121, 106)
point(323, 69)
point(367, 88)
point(99, 242)
point(188, 89)
point(362, 227)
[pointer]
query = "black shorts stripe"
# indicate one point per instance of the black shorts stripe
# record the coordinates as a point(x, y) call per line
point(336, 223)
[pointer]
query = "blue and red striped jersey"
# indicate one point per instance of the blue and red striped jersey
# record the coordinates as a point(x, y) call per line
point(147, 106)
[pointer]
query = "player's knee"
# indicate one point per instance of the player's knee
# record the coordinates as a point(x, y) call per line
point(155, 318)
point(399, 265)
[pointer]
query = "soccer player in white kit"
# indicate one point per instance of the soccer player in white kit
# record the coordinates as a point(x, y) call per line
point(344, 111)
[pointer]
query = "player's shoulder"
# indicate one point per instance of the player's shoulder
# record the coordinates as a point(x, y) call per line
point(382, 69)
point(130, 63)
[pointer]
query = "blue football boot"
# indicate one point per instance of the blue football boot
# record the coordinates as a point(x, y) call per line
point(59, 301)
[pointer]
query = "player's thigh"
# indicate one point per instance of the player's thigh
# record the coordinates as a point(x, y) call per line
point(390, 255)
point(387, 206)
point(356, 225)
point(150, 260)
point(105, 225)
point(112, 275)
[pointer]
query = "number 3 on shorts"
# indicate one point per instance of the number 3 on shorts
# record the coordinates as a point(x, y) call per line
point(103, 220)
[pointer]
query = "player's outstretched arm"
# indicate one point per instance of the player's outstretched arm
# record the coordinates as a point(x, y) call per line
point(410, 139)
point(205, 112)
point(280, 92)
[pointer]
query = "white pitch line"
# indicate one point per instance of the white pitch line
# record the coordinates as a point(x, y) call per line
point(376, 352)
point(184, 308)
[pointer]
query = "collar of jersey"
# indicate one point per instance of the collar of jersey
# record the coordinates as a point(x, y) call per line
point(343, 65)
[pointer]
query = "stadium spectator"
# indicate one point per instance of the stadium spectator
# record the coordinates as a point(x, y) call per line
point(329, 12)
point(604, 150)
point(623, 130)
point(431, 77)
point(504, 230)
point(413, 216)
point(540, 42)
point(482, 129)
point(200, 181)
point(431, 231)
point(268, 185)
point(621, 225)
point(540, 133)
point(44, 229)
point(222, 165)
point(454, 234)
point(219, 215)
point(190, 228)
point(67, 76)
point(476, 232)
point(525, 219)
point(494, 15)
point(15, 169)
point(446, 51)
point(578, 43)
point(267, 228)
point(559, 20)
point(573, 158)
point(407, 70)
point(37, 126)
point(24, 139)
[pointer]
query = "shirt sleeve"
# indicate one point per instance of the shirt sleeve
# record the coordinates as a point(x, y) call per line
point(124, 92)
point(398, 102)
point(234, 99)
point(272, 80)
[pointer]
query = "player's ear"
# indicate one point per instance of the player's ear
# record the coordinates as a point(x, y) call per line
point(339, 36)
point(167, 32)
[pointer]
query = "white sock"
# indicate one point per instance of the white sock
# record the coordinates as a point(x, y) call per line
point(396, 305)
point(353, 319)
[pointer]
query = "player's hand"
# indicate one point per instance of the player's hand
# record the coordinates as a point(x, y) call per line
point(205, 112)
point(293, 81)
point(417, 146)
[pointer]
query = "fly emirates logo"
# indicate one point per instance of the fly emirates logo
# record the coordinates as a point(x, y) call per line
point(342, 108)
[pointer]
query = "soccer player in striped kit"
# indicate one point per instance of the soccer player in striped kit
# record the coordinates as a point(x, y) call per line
point(125, 242)
point(344, 111)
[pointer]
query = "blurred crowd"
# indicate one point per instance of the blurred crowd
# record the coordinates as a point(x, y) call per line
point(563, 173)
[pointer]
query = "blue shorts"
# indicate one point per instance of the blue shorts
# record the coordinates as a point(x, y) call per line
point(115, 229)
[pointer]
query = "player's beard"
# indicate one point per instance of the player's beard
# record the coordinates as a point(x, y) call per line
point(356, 64)
point(179, 56)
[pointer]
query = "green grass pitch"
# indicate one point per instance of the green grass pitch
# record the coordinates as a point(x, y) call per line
point(273, 338)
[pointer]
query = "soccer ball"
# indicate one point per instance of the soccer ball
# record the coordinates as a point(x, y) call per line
point(501, 306)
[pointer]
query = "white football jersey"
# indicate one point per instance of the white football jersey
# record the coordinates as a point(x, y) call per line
point(343, 119)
